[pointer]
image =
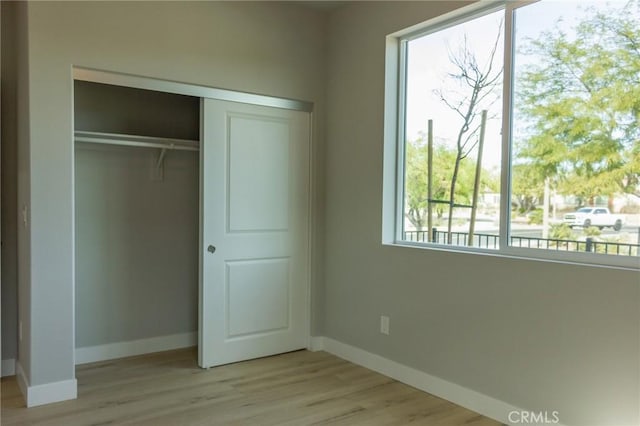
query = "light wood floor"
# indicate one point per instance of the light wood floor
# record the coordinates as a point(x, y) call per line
point(298, 388)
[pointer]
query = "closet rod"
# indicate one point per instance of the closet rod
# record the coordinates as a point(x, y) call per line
point(138, 141)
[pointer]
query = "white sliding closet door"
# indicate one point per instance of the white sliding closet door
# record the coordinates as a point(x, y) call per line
point(255, 232)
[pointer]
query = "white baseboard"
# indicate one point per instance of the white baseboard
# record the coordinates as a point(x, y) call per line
point(316, 344)
point(135, 347)
point(47, 393)
point(467, 398)
point(8, 367)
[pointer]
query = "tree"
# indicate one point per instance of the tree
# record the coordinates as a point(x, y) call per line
point(527, 188)
point(579, 102)
point(477, 84)
point(416, 180)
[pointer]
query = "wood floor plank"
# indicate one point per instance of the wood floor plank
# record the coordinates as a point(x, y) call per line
point(297, 388)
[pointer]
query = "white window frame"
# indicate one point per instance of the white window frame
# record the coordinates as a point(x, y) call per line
point(394, 145)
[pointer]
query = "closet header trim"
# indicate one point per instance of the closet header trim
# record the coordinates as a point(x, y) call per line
point(129, 80)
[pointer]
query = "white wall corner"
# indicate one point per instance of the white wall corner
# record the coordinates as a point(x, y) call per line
point(135, 347)
point(47, 393)
point(464, 397)
point(21, 378)
point(8, 367)
point(316, 343)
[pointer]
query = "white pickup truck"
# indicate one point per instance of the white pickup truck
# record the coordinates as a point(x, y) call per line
point(594, 216)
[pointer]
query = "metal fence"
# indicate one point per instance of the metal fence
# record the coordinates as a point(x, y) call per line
point(492, 241)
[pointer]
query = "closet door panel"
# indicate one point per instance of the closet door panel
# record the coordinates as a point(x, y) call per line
point(258, 298)
point(258, 174)
point(255, 227)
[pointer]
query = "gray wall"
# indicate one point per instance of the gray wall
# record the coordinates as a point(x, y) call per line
point(107, 108)
point(136, 245)
point(25, 285)
point(136, 237)
point(269, 48)
point(9, 188)
point(16, 238)
point(538, 335)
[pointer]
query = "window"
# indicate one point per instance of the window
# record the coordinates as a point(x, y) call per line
point(518, 131)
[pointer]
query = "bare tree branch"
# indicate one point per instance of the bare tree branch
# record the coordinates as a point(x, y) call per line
point(482, 82)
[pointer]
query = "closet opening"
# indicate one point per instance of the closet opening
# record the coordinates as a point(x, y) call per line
point(136, 221)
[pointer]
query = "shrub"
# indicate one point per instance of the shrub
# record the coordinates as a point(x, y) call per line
point(535, 216)
point(592, 231)
point(561, 231)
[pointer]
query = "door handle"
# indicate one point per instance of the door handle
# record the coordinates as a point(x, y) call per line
point(211, 249)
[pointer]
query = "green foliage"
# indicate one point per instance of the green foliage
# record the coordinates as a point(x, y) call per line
point(527, 187)
point(416, 170)
point(561, 231)
point(581, 104)
point(592, 231)
point(535, 217)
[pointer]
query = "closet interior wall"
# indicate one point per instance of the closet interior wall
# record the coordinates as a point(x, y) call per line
point(136, 235)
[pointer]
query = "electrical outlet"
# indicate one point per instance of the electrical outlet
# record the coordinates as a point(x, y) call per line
point(384, 324)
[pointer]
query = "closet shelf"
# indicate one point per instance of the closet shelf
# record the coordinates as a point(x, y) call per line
point(134, 140)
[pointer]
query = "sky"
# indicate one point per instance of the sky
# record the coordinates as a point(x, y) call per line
point(428, 63)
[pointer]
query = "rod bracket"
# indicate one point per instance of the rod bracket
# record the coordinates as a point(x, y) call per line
point(158, 170)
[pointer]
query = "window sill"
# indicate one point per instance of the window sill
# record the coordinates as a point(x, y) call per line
point(627, 263)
